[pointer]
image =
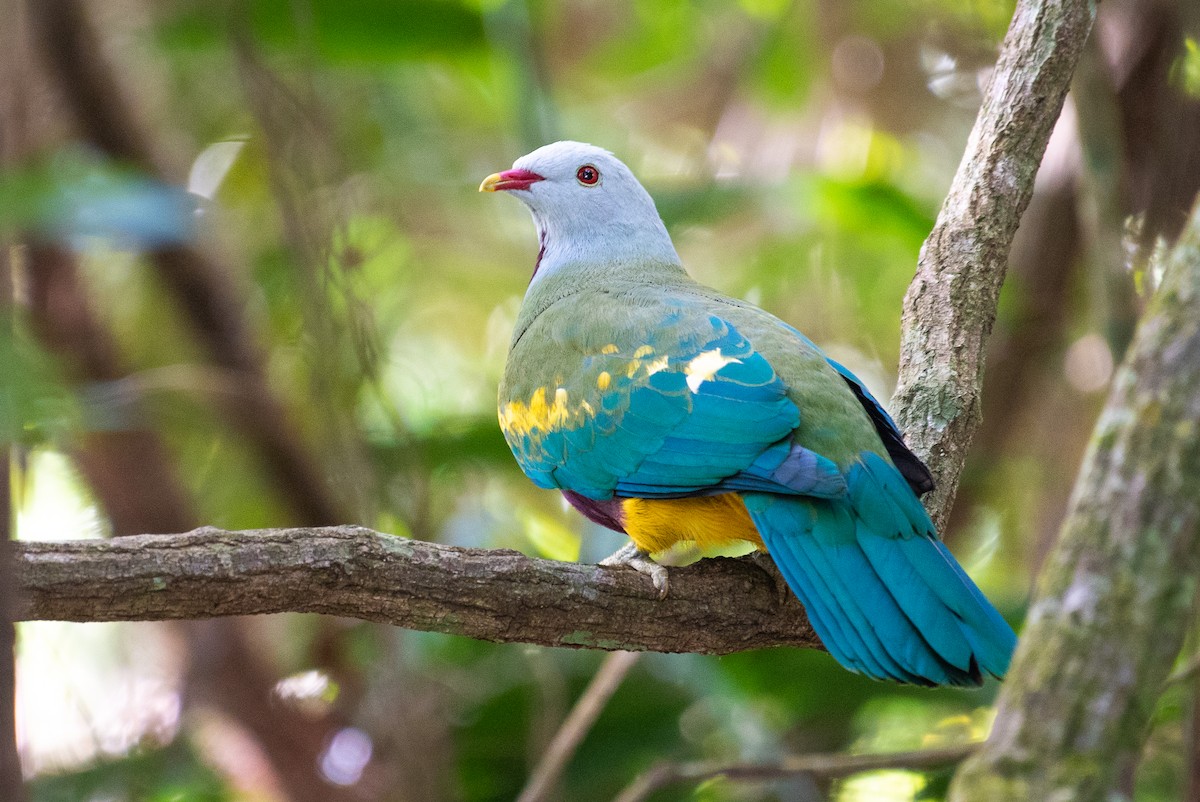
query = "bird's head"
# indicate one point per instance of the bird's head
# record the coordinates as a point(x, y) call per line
point(588, 207)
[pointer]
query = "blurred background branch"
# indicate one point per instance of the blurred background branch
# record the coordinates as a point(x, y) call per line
point(823, 766)
point(12, 783)
point(547, 774)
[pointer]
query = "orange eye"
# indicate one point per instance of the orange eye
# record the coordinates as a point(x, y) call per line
point(587, 175)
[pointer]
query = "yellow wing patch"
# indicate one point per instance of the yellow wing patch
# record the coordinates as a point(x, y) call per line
point(539, 416)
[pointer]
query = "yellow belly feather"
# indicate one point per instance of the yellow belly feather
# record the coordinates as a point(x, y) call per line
point(708, 521)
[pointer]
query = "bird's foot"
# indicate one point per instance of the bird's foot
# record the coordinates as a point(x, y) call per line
point(640, 561)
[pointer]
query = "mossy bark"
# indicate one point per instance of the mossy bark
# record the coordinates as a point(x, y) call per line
point(1116, 596)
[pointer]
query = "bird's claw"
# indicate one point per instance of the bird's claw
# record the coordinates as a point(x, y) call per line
point(621, 556)
point(640, 561)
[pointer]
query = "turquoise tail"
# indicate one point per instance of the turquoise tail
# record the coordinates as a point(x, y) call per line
point(885, 595)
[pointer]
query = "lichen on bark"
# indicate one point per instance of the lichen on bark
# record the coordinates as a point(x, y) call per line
point(1116, 595)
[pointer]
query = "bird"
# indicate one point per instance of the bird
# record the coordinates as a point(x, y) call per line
point(669, 412)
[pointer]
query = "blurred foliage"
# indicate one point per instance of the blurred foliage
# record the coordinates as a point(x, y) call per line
point(798, 151)
point(1186, 70)
point(81, 199)
point(35, 405)
point(171, 773)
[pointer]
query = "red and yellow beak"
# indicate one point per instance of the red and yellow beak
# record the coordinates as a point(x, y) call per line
point(509, 179)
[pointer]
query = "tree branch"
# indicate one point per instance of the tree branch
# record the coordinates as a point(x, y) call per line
point(1116, 596)
point(716, 606)
point(951, 304)
point(830, 766)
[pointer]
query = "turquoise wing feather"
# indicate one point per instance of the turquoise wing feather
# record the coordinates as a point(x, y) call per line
point(886, 596)
point(683, 408)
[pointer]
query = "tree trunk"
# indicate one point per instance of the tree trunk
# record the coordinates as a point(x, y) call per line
point(1116, 595)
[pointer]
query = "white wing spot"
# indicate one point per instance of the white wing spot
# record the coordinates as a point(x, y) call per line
point(656, 365)
point(705, 366)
